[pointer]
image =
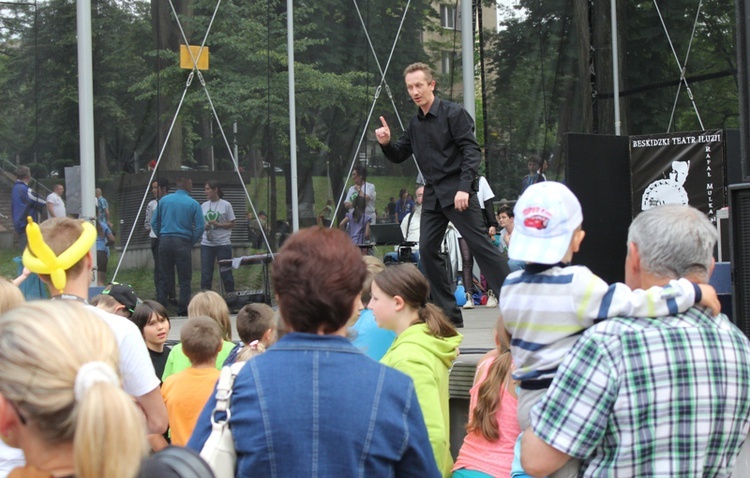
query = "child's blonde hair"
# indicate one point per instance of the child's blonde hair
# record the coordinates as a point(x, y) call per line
point(211, 304)
point(253, 349)
point(10, 295)
point(42, 347)
point(374, 267)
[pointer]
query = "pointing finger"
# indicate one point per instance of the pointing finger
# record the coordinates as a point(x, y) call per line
point(382, 121)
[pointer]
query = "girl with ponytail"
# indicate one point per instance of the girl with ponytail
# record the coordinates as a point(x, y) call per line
point(425, 347)
point(60, 396)
point(493, 427)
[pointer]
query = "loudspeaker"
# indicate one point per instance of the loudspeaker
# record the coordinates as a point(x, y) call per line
point(739, 232)
point(598, 173)
point(733, 157)
point(238, 299)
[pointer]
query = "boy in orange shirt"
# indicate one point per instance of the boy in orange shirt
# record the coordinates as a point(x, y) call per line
point(185, 393)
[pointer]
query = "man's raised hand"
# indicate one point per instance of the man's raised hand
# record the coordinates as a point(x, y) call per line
point(383, 133)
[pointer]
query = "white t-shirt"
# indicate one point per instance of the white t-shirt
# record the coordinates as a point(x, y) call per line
point(10, 458)
point(58, 206)
point(136, 368)
point(484, 191)
point(220, 211)
point(412, 233)
point(138, 376)
point(149, 214)
point(369, 190)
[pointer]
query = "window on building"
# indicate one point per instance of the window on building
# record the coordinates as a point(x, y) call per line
point(446, 65)
point(448, 17)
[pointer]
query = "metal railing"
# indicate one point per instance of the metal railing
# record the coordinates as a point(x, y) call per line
point(10, 167)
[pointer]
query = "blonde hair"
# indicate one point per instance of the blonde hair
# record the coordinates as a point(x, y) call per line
point(42, 347)
point(423, 67)
point(484, 417)
point(211, 304)
point(374, 267)
point(60, 233)
point(10, 295)
point(105, 302)
point(250, 350)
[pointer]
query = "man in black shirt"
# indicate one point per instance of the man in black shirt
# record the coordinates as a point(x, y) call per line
point(441, 137)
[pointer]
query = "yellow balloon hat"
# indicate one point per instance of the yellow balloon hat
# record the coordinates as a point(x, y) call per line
point(39, 258)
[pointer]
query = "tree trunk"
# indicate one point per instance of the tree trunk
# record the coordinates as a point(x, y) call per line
point(167, 38)
point(102, 168)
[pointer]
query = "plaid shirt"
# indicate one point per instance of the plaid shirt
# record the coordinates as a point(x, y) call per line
point(651, 397)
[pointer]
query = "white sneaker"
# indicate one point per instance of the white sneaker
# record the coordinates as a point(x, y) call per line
point(491, 299)
point(469, 302)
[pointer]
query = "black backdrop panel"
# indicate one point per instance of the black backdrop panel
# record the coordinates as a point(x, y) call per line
point(733, 157)
point(739, 232)
point(678, 168)
point(598, 172)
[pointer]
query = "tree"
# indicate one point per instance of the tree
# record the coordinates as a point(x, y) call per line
point(552, 74)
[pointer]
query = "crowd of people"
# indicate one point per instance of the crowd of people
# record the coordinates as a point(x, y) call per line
point(350, 375)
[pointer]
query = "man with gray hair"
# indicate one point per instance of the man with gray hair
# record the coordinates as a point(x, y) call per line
point(662, 396)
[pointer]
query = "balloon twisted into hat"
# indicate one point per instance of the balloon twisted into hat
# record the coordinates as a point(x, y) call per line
point(38, 257)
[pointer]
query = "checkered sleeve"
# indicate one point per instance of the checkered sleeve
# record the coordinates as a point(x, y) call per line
point(572, 417)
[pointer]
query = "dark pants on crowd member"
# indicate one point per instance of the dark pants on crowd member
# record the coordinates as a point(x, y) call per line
point(22, 241)
point(175, 252)
point(157, 269)
point(470, 224)
point(209, 255)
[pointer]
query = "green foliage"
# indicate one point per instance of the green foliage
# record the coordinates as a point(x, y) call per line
point(38, 170)
point(137, 88)
point(539, 83)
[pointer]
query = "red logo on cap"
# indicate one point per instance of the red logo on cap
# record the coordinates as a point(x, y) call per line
point(536, 222)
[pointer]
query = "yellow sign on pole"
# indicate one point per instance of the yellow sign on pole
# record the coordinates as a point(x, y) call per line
point(186, 61)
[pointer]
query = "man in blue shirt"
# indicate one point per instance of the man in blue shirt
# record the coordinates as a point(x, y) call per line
point(178, 223)
point(24, 202)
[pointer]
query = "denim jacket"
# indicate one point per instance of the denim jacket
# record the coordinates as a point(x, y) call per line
point(314, 405)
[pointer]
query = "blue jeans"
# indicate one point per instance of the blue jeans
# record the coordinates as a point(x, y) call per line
point(209, 255)
point(175, 252)
point(353, 416)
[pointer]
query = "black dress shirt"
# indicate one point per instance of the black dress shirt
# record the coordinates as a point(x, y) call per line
point(446, 149)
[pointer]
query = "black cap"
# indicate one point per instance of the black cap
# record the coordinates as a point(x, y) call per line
point(123, 294)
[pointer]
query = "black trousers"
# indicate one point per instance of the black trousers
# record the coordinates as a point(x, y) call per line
point(157, 268)
point(472, 228)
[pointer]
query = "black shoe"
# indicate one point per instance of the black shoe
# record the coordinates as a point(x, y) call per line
point(458, 325)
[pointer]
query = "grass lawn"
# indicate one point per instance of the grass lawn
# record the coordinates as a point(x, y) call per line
point(385, 187)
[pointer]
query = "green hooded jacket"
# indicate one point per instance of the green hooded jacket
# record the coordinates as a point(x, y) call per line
point(427, 359)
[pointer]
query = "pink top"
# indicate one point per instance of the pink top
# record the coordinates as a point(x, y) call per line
point(493, 458)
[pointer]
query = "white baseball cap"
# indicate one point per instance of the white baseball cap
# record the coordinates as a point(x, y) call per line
point(546, 216)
